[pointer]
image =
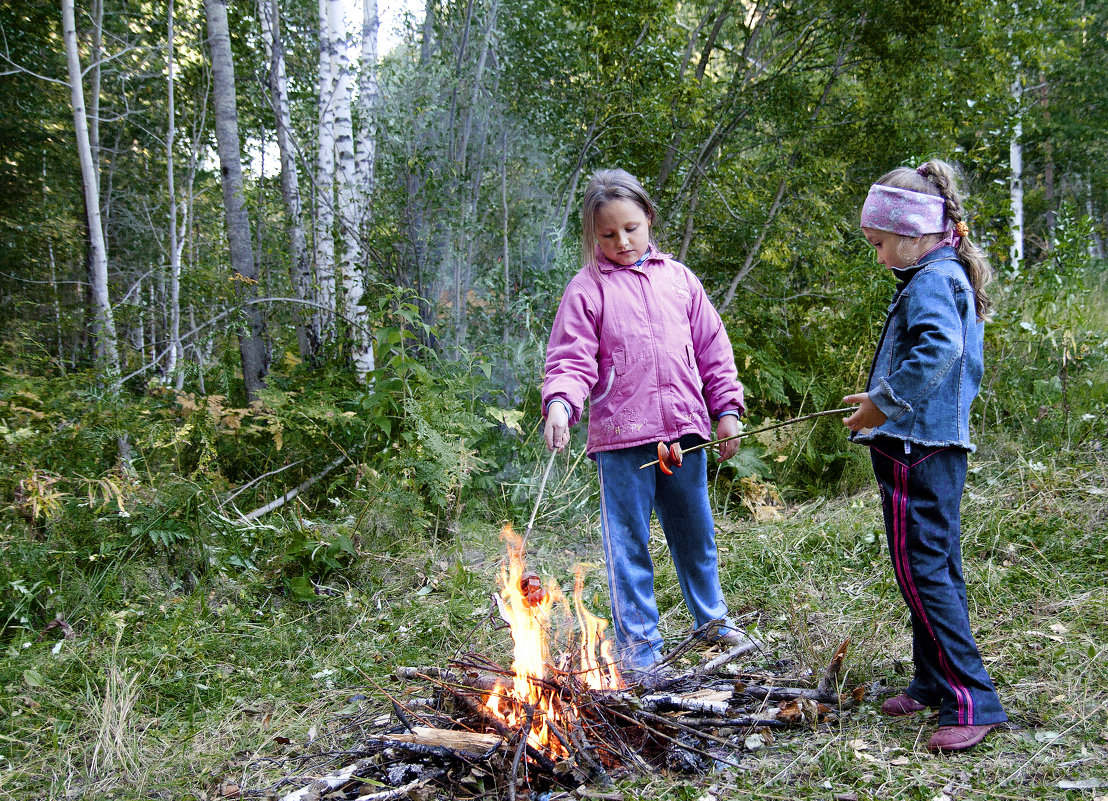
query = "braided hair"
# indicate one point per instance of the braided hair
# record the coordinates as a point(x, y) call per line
point(936, 177)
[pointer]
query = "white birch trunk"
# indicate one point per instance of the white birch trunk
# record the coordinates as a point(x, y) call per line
point(1015, 161)
point(1015, 182)
point(368, 101)
point(325, 169)
point(300, 263)
point(106, 343)
point(352, 202)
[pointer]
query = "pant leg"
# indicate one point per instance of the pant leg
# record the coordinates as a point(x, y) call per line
point(921, 494)
point(626, 503)
point(685, 513)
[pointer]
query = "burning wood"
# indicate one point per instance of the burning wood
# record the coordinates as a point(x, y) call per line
point(568, 719)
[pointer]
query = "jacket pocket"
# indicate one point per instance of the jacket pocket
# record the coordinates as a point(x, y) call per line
point(609, 385)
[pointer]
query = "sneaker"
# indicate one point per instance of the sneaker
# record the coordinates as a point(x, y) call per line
point(902, 705)
point(958, 738)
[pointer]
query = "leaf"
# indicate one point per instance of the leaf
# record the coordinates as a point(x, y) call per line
point(509, 418)
point(302, 588)
point(32, 678)
point(1048, 737)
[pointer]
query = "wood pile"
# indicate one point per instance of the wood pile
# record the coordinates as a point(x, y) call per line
point(441, 740)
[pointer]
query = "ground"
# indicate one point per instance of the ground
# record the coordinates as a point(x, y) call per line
point(182, 690)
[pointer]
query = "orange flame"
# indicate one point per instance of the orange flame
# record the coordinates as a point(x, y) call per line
point(529, 618)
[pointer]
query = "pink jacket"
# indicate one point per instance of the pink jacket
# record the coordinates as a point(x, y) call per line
point(647, 348)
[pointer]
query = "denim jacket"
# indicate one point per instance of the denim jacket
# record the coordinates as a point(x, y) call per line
point(929, 360)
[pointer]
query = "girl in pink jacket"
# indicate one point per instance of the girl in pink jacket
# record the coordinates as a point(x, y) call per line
point(637, 336)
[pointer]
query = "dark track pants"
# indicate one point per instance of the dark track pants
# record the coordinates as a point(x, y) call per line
point(921, 492)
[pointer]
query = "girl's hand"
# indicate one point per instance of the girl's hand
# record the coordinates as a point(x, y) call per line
point(867, 415)
point(556, 432)
point(728, 426)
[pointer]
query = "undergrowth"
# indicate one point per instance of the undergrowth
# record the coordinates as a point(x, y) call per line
point(157, 681)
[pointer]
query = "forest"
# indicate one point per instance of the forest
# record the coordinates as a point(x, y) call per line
point(274, 306)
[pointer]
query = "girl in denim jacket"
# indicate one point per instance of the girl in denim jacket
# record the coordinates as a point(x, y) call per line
point(914, 415)
point(636, 336)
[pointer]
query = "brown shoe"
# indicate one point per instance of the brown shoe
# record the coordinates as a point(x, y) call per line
point(902, 705)
point(958, 738)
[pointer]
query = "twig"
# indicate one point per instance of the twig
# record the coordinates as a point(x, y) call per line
point(327, 782)
point(254, 481)
point(524, 733)
point(829, 684)
point(763, 429)
point(726, 656)
point(675, 741)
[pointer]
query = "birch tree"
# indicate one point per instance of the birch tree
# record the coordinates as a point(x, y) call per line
point(300, 261)
point(349, 199)
point(325, 170)
point(252, 345)
point(107, 351)
point(175, 350)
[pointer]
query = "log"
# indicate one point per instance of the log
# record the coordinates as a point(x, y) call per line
point(788, 694)
point(469, 742)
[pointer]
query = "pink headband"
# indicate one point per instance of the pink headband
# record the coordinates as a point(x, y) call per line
point(904, 212)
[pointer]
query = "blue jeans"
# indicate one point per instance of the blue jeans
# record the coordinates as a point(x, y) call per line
point(628, 495)
point(921, 491)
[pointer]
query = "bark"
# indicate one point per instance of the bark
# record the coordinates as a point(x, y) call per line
point(175, 350)
point(252, 345)
point(1015, 161)
point(300, 262)
point(107, 351)
point(325, 170)
point(350, 201)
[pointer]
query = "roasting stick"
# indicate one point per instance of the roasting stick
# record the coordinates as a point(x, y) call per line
point(538, 500)
point(811, 416)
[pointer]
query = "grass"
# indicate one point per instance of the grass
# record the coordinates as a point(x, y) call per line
point(177, 686)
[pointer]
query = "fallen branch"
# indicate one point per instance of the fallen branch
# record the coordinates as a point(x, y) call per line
point(292, 493)
point(326, 783)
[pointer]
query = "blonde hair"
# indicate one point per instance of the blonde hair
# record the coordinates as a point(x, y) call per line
point(936, 177)
point(604, 187)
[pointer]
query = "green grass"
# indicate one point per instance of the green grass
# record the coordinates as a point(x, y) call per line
point(177, 682)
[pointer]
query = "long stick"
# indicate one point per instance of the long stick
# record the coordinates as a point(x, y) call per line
point(538, 500)
point(811, 416)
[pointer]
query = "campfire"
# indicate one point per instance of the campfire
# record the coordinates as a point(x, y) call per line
point(561, 718)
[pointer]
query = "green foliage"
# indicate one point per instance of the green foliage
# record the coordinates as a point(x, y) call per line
point(1050, 344)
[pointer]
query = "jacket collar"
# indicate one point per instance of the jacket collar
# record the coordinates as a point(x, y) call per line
point(606, 266)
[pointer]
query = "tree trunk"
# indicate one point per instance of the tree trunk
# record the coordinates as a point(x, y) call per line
point(324, 180)
point(300, 262)
point(252, 346)
point(107, 351)
point(1015, 159)
point(175, 350)
point(349, 200)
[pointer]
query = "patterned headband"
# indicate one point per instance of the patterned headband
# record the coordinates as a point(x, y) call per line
point(904, 212)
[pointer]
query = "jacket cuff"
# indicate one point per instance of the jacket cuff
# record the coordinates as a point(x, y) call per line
point(888, 402)
point(564, 404)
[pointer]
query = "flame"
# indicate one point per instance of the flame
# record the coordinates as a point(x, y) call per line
point(530, 624)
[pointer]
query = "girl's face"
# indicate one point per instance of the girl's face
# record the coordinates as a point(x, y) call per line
point(623, 231)
point(893, 250)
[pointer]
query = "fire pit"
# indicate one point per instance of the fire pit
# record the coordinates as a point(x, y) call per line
point(562, 718)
